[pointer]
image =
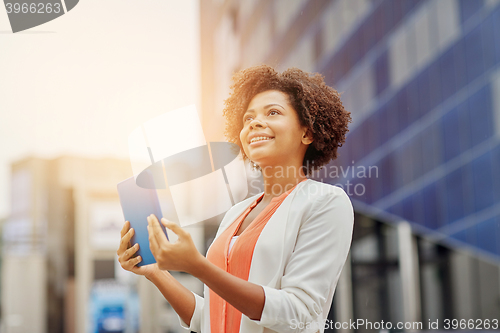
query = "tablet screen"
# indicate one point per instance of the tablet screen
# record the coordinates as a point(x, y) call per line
point(137, 204)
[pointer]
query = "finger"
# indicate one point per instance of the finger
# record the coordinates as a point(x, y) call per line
point(128, 236)
point(126, 255)
point(131, 264)
point(153, 245)
point(125, 228)
point(157, 230)
point(134, 263)
point(130, 252)
point(174, 227)
point(135, 260)
point(125, 241)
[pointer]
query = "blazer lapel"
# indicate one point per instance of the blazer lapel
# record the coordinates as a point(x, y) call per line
point(234, 212)
point(267, 260)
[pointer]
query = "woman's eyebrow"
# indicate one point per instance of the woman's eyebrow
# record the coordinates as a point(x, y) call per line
point(265, 107)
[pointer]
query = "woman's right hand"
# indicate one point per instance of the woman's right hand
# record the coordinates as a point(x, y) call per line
point(180, 298)
point(125, 253)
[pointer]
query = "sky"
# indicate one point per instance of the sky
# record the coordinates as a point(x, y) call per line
point(78, 85)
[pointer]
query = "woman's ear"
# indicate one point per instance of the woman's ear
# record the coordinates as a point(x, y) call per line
point(307, 137)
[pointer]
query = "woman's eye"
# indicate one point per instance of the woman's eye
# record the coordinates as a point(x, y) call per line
point(273, 111)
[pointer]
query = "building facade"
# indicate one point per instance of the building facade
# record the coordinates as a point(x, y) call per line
point(60, 271)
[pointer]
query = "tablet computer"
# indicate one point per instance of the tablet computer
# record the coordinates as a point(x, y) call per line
point(137, 204)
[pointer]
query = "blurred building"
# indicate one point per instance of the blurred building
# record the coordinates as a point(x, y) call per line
point(59, 265)
point(421, 160)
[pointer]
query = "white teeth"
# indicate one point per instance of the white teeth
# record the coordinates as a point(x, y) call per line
point(259, 138)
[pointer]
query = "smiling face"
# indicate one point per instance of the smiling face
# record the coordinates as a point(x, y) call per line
point(272, 134)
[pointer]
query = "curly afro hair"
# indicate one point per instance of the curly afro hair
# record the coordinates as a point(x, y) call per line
point(318, 107)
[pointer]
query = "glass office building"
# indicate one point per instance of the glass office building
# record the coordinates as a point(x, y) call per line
point(431, 121)
point(421, 160)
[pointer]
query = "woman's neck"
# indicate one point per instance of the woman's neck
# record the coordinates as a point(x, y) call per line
point(279, 179)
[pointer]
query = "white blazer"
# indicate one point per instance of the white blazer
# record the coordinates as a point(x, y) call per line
point(297, 260)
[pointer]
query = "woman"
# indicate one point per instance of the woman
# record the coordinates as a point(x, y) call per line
point(277, 256)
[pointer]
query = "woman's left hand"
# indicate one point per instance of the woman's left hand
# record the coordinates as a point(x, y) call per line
point(179, 256)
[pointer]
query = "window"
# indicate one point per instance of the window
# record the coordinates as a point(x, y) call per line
point(480, 115)
point(451, 134)
point(376, 281)
point(489, 232)
point(482, 174)
point(104, 269)
point(447, 74)
point(455, 195)
point(431, 206)
point(381, 73)
point(469, 8)
point(474, 54)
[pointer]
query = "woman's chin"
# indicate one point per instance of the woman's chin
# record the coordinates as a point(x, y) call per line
point(263, 163)
point(258, 159)
point(266, 158)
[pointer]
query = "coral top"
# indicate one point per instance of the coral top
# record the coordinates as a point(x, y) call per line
point(223, 316)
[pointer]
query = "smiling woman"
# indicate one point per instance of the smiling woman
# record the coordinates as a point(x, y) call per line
point(277, 256)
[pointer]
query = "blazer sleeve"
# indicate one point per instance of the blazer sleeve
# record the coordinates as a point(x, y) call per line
point(314, 267)
point(197, 317)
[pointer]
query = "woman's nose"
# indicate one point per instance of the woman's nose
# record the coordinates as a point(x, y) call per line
point(257, 123)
